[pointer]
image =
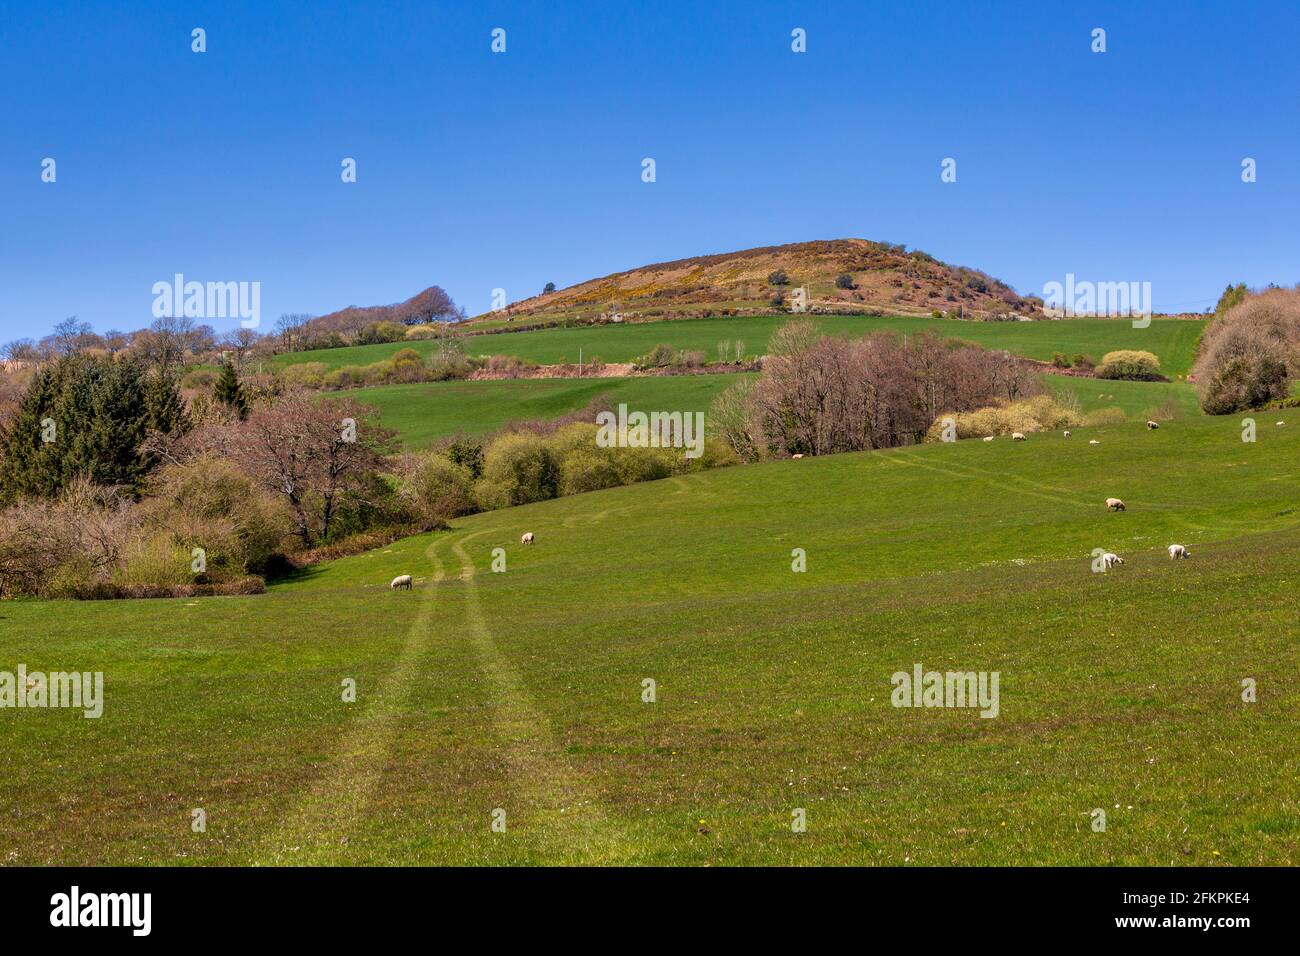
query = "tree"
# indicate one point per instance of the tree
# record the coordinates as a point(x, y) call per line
point(165, 343)
point(20, 350)
point(1232, 295)
point(844, 281)
point(164, 405)
point(81, 416)
point(241, 341)
point(550, 287)
point(68, 334)
point(778, 278)
point(229, 392)
point(321, 457)
point(292, 328)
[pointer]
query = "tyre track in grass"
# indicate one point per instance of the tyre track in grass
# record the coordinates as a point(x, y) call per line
point(560, 812)
point(314, 830)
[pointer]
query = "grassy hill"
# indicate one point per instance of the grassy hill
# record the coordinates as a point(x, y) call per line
point(522, 690)
point(886, 278)
point(1174, 341)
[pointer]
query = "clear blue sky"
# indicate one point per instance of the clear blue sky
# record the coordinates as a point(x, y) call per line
point(478, 170)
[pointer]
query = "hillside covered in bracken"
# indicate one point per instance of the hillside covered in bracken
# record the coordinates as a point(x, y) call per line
point(840, 275)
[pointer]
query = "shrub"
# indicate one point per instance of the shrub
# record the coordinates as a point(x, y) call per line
point(1082, 361)
point(1059, 360)
point(449, 364)
point(1249, 353)
point(661, 356)
point(1131, 365)
point(778, 278)
point(305, 374)
point(518, 468)
point(693, 358)
point(439, 488)
point(588, 469)
point(844, 281)
point(209, 503)
point(53, 545)
point(463, 449)
point(1039, 413)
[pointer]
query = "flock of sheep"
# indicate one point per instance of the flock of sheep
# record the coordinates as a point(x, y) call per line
point(1109, 559)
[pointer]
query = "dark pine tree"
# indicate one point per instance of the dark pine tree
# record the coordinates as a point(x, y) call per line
point(82, 415)
point(229, 392)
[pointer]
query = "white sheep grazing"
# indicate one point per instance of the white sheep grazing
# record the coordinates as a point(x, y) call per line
point(401, 581)
point(1114, 504)
point(988, 437)
point(526, 538)
point(1152, 426)
point(1110, 559)
point(1281, 423)
point(1177, 551)
point(796, 456)
point(1017, 436)
point(1067, 433)
point(1093, 441)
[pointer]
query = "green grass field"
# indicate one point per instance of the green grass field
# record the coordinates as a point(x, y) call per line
point(426, 412)
point(522, 691)
point(1138, 400)
point(1173, 341)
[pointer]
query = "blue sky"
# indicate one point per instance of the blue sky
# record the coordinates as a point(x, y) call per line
point(479, 170)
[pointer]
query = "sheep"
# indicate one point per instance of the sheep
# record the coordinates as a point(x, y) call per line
point(988, 437)
point(1093, 441)
point(1114, 504)
point(1177, 551)
point(1110, 559)
point(1281, 423)
point(796, 456)
point(526, 538)
point(1152, 426)
point(1067, 433)
point(401, 581)
point(1017, 436)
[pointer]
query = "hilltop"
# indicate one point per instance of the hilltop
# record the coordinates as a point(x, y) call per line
point(887, 279)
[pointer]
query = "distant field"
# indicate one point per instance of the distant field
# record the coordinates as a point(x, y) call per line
point(1137, 399)
point(522, 691)
point(426, 412)
point(1174, 341)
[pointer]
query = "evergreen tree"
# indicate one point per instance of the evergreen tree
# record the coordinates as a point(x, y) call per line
point(229, 392)
point(165, 406)
point(82, 415)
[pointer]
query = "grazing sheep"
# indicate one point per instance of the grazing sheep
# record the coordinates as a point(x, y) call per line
point(988, 437)
point(1110, 559)
point(1177, 551)
point(1281, 423)
point(1114, 504)
point(1093, 441)
point(401, 581)
point(1067, 433)
point(1152, 426)
point(527, 537)
point(796, 456)
point(1017, 436)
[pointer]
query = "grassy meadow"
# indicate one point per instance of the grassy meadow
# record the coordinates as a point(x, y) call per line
point(1172, 340)
point(522, 691)
point(425, 412)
